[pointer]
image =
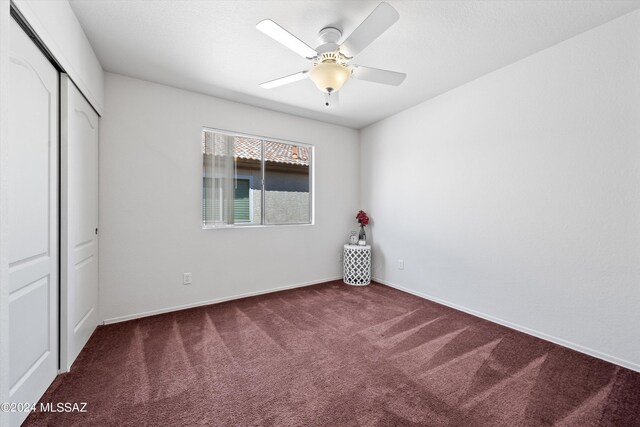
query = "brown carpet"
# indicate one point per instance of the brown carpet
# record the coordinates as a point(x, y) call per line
point(335, 355)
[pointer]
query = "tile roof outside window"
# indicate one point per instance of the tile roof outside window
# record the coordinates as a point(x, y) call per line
point(278, 152)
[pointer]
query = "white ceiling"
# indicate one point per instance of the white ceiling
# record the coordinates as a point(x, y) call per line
point(213, 47)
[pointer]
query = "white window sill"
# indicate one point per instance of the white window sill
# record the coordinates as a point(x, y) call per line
point(233, 226)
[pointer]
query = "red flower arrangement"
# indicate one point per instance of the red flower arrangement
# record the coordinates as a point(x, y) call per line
point(362, 218)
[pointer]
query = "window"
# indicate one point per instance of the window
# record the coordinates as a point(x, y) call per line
point(248, 180)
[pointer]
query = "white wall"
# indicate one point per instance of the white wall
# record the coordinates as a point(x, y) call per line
point(56, 25)
point(150, 203)
point(517, 196)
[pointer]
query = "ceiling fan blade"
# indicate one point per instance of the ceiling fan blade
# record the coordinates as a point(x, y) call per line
point(284, 37)
point(376, 75)
point(284, 80)
point(370, 29)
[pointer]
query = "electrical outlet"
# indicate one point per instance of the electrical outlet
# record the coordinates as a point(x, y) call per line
point(186, 279)
point(400, 264)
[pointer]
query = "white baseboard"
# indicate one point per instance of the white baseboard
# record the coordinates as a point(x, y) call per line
point(520, 328)
point(213, 301)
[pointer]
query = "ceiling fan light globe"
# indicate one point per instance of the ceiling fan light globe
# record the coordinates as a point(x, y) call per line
point(329, 77)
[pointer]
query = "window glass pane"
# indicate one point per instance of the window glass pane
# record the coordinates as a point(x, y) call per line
point(286, 182)
point(217, 175)
point(248, 180)
point(236, 189)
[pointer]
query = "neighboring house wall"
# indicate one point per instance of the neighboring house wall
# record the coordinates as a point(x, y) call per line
point(282, 207)
point(286, 181)
point(151, 199)
point(517, 195)
point(286, 194)
point(294, 180)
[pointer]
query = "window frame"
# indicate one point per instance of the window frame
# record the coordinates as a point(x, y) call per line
point(312, 180)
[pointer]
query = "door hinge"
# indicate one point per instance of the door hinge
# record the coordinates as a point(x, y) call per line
point(96, 231)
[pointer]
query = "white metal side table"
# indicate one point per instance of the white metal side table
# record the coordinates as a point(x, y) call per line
point(357, 265)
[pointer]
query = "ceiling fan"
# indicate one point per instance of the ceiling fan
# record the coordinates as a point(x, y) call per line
point(331, 66)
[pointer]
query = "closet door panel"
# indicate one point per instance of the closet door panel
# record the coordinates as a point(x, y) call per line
point(79, 278)
point(32, 182)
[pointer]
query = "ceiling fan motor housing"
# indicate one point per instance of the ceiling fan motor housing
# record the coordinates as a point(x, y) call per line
point(329, 38)
point(329, 35)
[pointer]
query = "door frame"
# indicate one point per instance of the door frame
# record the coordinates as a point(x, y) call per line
point(5, 22)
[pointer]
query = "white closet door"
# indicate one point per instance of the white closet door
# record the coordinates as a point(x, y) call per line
point(33, 221)
point(79, 225)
